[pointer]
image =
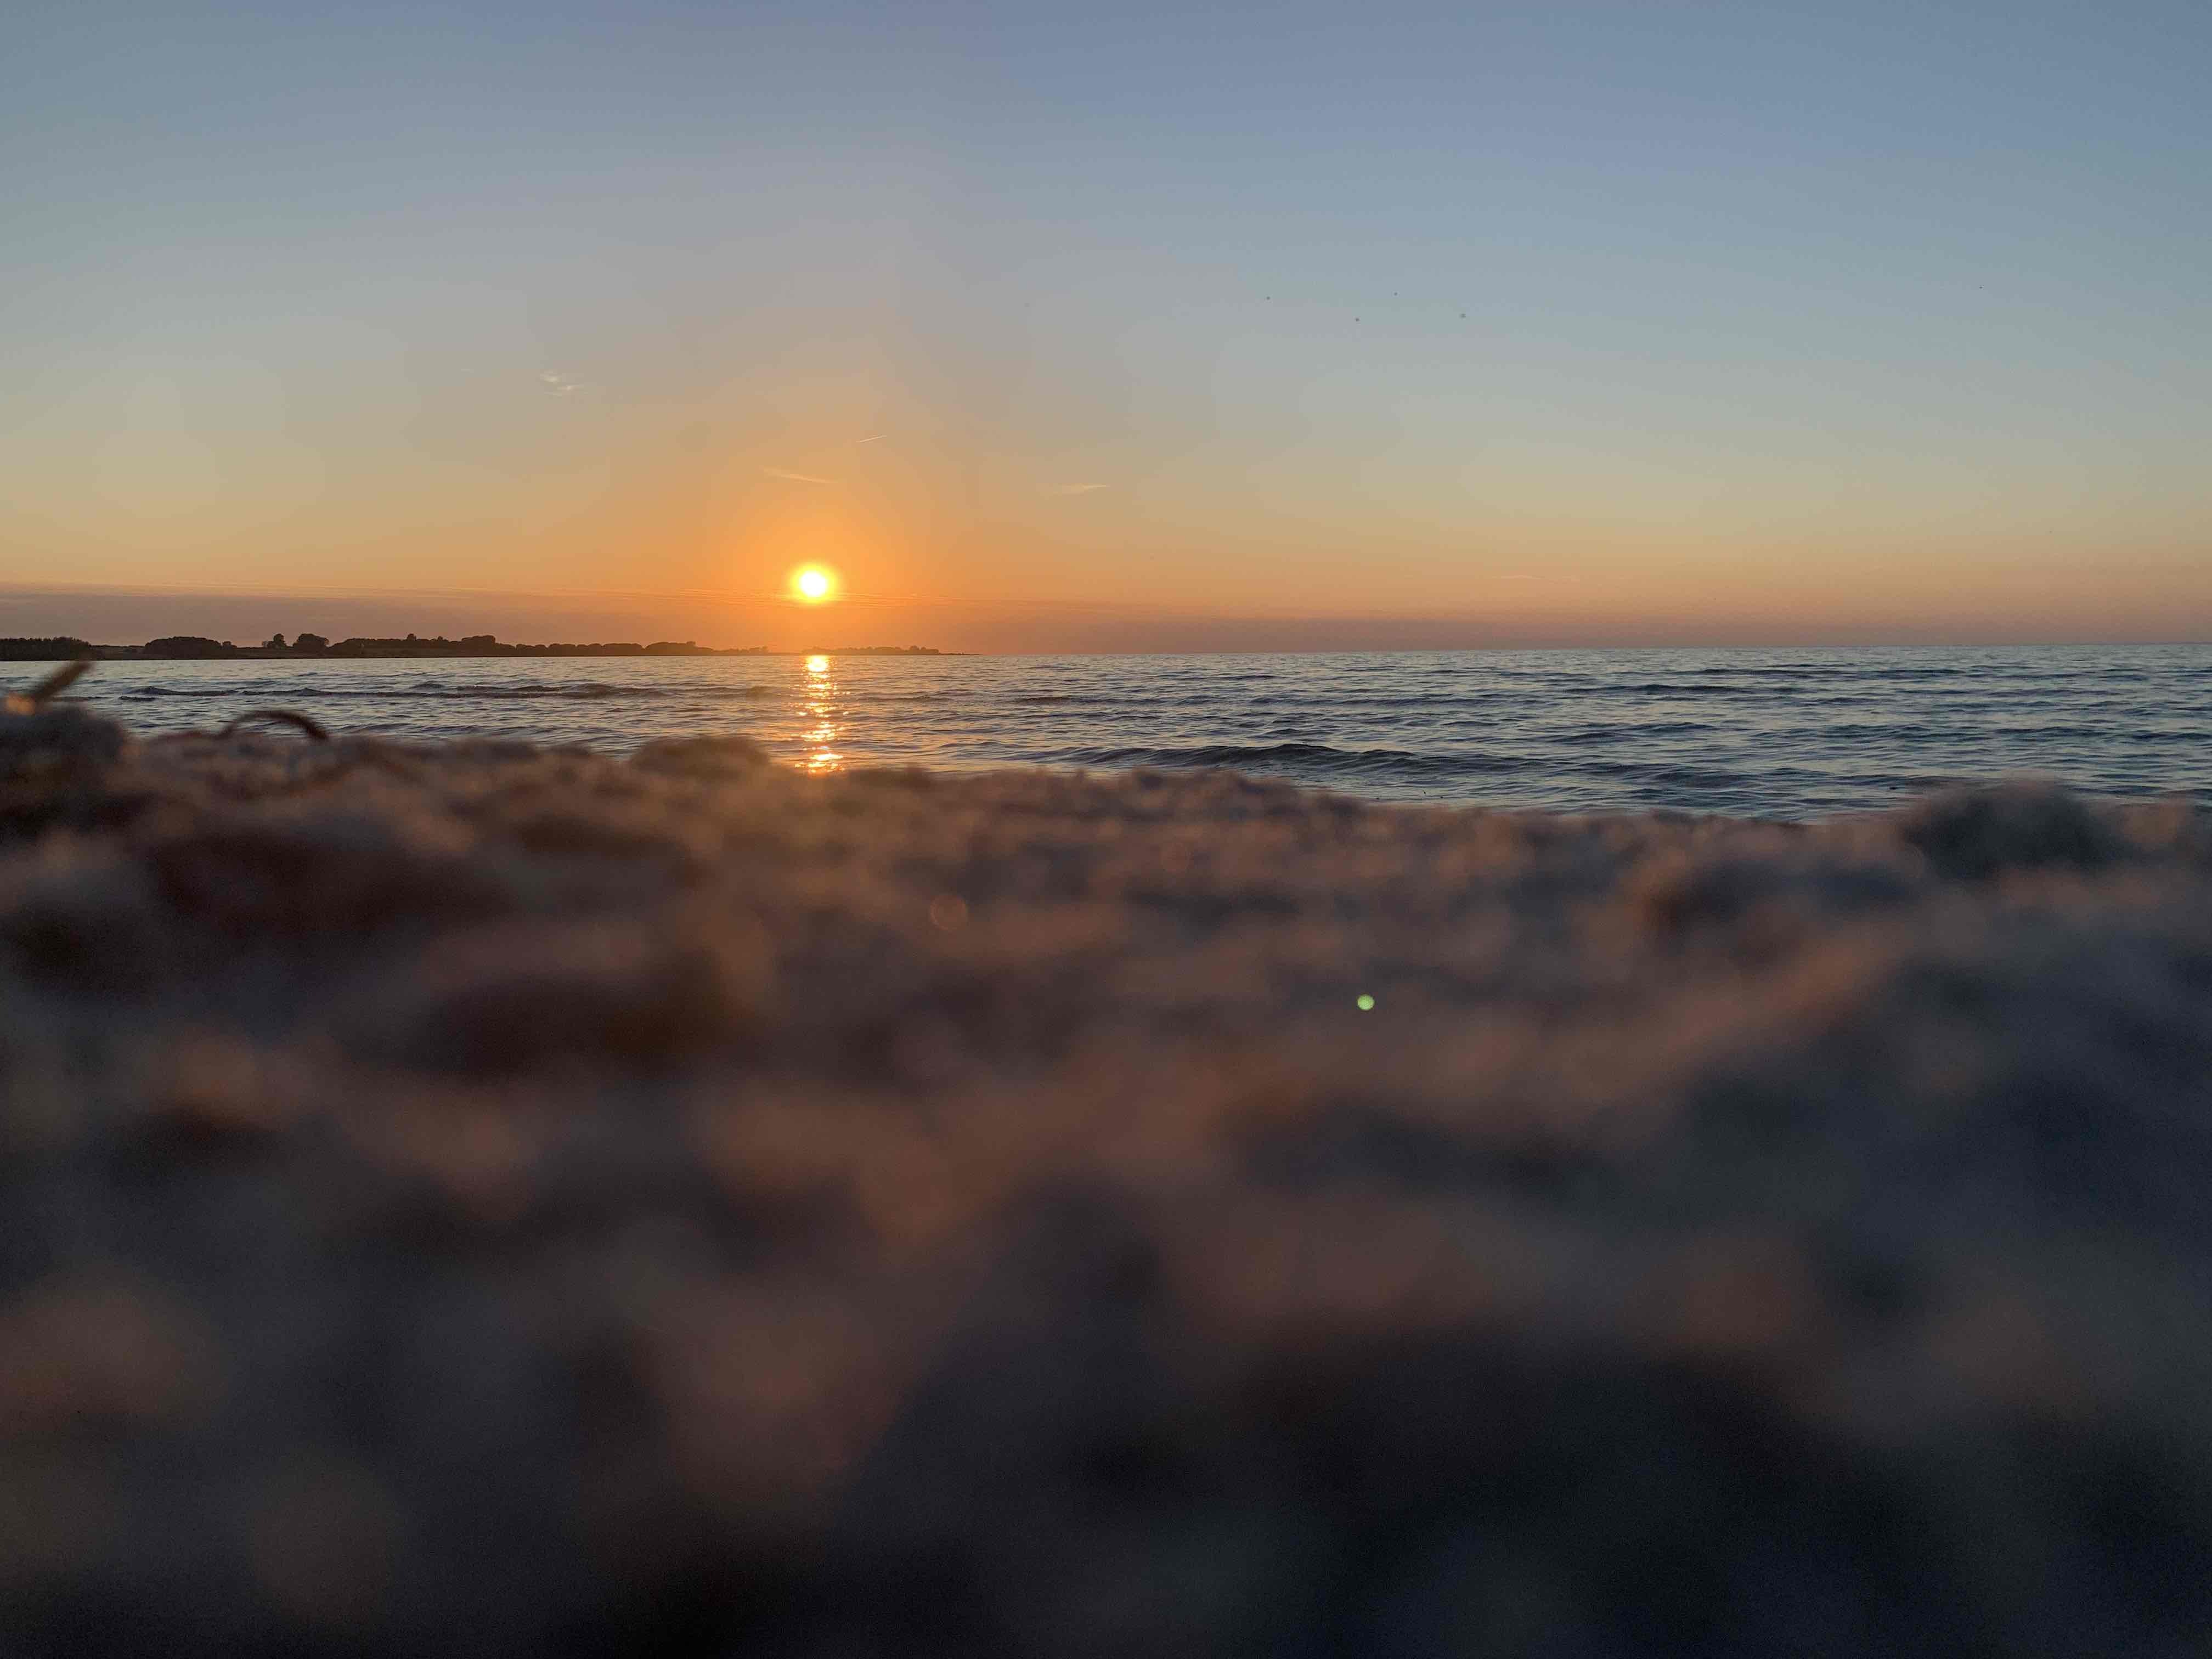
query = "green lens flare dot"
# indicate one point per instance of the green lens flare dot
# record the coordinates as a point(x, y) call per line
point(1365, 1001)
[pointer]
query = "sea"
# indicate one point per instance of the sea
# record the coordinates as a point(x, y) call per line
point(1786, 733)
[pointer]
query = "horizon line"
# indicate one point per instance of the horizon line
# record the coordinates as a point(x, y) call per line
point(1666, 630)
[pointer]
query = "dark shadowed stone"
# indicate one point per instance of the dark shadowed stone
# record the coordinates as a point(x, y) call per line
point(1972, 834)
point(707, 757)
point(613, 1001)
point(55, 740)
point(328, 879)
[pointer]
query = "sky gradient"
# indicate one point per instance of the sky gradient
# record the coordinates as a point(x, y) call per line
point(1299, 324)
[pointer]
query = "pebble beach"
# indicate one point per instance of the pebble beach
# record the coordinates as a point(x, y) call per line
point(510, 1199)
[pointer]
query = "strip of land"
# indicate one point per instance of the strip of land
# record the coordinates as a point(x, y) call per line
point(678, 1203)
point(189, 647)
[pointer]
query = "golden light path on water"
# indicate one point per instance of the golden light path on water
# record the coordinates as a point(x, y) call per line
point(820, 690)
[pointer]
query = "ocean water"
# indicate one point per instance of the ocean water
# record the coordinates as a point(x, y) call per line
point(1792, 732)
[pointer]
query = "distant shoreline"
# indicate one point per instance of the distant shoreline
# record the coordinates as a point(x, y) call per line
point(314, 648)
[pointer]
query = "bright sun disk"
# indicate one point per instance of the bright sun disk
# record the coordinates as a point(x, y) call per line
point(813, 583)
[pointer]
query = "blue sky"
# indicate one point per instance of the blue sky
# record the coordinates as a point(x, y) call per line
point(1787, 317)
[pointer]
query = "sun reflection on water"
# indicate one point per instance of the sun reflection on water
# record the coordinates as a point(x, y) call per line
point(819, 709)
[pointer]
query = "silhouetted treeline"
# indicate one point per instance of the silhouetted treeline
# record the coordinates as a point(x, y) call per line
point(188, 648)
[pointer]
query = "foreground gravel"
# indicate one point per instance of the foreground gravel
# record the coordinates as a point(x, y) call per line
point(493, 1200)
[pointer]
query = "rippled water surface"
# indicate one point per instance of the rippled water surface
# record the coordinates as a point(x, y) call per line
point(1791, 732)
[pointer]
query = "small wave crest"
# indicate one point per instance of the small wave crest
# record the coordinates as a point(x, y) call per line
point(602, 691)
point(570, 691)
point(1317, 760)
point(1677, 689)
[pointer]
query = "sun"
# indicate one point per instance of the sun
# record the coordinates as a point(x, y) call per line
point(813, 584)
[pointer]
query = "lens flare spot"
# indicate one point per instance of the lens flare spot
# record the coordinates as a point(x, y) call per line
point(1365, 1003)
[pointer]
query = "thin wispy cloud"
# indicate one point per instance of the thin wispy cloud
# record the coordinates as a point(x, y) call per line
point(872, 437)
point(796, 477)
point(1075, 488)
point(559, 384)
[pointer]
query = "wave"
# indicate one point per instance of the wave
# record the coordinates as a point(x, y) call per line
point(1317, 759)
point(1671, 688)
point(1332, 704)
point(599, 691)
point(586, 691)
point(1635, 731)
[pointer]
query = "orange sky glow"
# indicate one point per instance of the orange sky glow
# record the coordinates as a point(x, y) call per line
point(1467, 331)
